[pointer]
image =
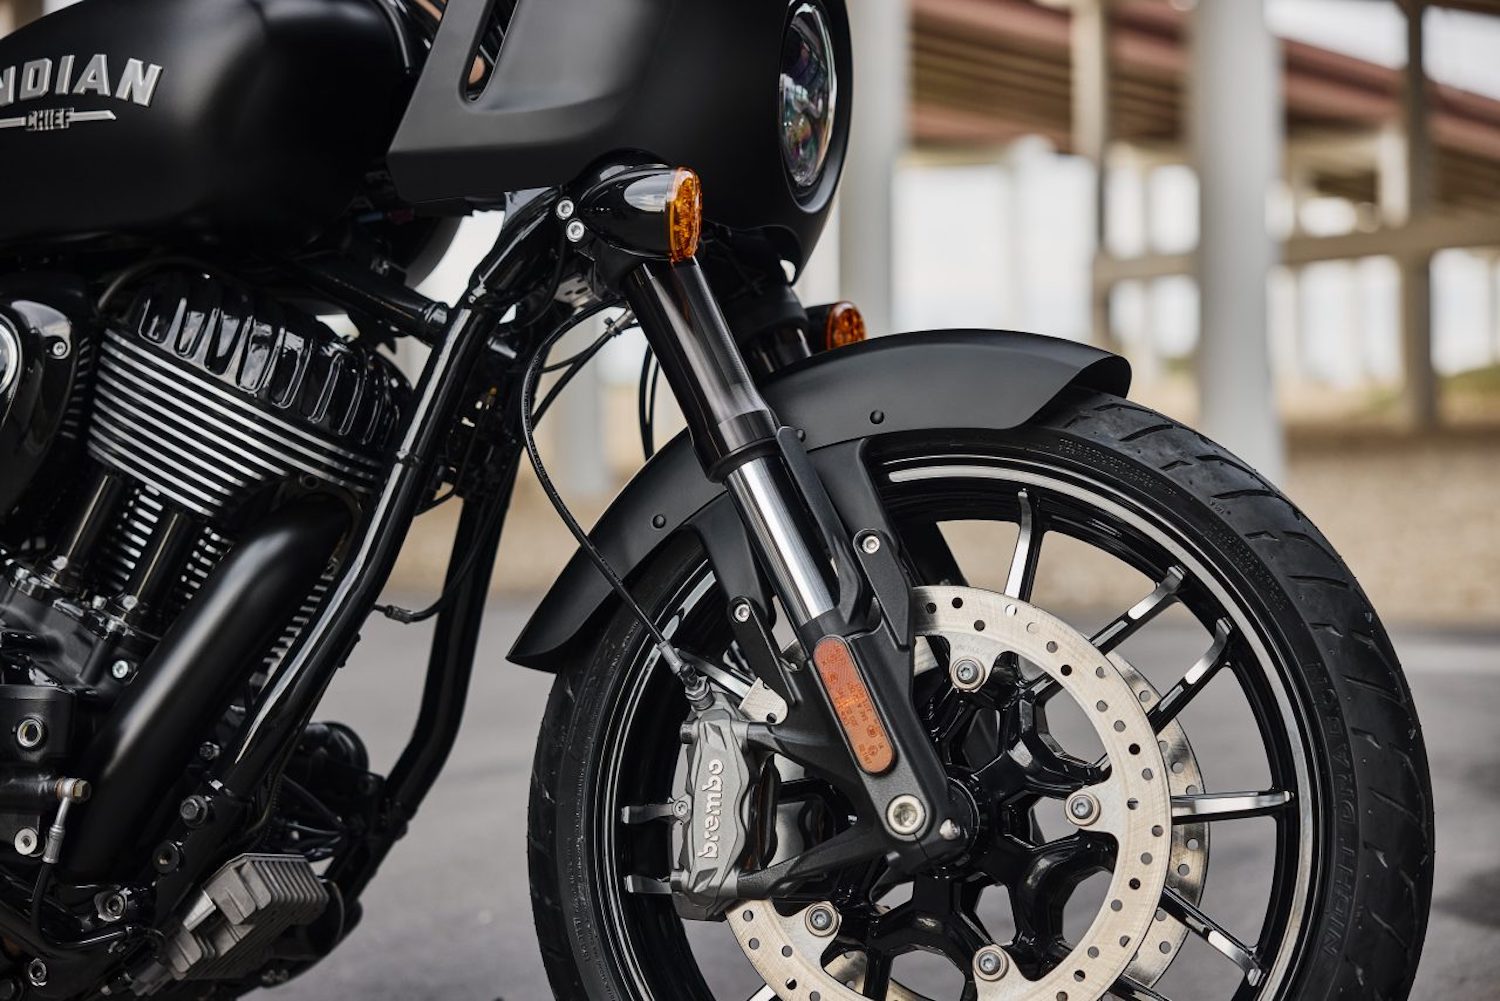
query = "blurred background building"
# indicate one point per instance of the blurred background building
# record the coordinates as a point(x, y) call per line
point(1286, 214)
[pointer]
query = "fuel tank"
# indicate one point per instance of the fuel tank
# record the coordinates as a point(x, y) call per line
point(211, 120)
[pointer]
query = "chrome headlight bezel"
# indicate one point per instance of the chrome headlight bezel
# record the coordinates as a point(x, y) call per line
point(808, 96)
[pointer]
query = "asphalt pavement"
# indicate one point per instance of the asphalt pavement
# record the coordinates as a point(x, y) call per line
point(449, 916)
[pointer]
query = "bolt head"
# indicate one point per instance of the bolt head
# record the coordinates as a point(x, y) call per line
point(36, 973)
point(966, 671)
point(1083, 809)
point(565, 209)
point(822, 920)
point(950, 831)
point(576, 230)
point(121, 670)
point(991, 963)
point(905, 815)
point(870, 544)
point(194, 811)
point(58, 348)
point(208, 750)
point(26, 841)
point(742, 612)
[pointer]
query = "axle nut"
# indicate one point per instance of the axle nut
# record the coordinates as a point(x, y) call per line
point(905, 816)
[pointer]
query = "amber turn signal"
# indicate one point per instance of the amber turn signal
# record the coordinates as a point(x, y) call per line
point(844, 326)
point(852, 705)
point(684, 215)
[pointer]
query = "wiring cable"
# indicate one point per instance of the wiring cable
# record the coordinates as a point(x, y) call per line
point(693, 682)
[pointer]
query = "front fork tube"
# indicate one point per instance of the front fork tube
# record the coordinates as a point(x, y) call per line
point(804, 547)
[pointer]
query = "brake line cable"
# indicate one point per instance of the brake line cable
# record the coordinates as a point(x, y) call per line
point(693, 682)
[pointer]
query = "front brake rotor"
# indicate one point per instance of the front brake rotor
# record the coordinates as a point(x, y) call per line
point(800, 957)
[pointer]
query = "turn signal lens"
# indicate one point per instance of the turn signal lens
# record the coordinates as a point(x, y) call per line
point(844, 326)
point(684, 215)
point(852, 705)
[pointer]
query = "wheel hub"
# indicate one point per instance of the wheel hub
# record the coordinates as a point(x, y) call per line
point(1126, 803)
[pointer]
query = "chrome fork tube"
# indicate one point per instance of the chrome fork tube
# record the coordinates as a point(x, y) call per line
point(760, 488)
point(733, 431)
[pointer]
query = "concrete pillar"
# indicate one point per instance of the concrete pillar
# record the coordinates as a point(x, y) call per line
point(15, 13)
point(1092, 131)
point(1494, 327)
point(1409, 193)
point(877, 139)
point(1236, 130)
point(578, 460)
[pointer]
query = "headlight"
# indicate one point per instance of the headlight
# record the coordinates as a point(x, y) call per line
point(809, 94)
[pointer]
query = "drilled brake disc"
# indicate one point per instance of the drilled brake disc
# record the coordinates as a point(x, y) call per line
point(796, 953)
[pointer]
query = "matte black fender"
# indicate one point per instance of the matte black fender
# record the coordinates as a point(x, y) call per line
point(948, 379)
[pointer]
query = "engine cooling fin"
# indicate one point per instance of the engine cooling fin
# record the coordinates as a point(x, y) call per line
point(208, 395)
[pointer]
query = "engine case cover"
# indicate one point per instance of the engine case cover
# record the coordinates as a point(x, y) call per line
point(42, 352)
point(209, 394)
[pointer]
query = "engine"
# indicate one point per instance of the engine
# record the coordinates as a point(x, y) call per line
point(134, 448)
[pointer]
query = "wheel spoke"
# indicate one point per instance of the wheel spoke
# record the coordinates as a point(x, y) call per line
point(1021, 580)
point(877, 979)
point(1228, 806)
point(1214, 934)
point(1142, 612)
point(1129, 990)
point(1198, 676)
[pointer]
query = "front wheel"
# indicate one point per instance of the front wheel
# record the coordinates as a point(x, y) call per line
point(1284, 728)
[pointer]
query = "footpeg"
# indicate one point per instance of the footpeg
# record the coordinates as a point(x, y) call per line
point(231, 926)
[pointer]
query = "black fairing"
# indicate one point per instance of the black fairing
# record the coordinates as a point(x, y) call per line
point(691, 83)
point(261, 122)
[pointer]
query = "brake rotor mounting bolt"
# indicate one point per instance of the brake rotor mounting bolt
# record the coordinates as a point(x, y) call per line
point(1083, 809)
point(967, 673)
point(742, 611)
point(905, 815)
point(822, 920)
point(870, 543)
point(575, 230)
point(991, 963)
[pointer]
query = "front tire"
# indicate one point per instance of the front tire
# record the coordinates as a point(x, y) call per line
point(1330, 698)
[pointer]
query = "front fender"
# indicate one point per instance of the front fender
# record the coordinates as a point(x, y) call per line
point(947, 379)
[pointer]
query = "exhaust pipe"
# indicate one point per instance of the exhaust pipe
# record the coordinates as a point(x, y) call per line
point(187, 683)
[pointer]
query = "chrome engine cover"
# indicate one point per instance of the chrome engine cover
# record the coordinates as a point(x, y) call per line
point(208, 394)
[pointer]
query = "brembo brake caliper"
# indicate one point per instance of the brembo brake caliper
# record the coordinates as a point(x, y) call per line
point(713, 814)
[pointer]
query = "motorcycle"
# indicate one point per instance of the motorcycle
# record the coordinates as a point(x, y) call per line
point(793, 710)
